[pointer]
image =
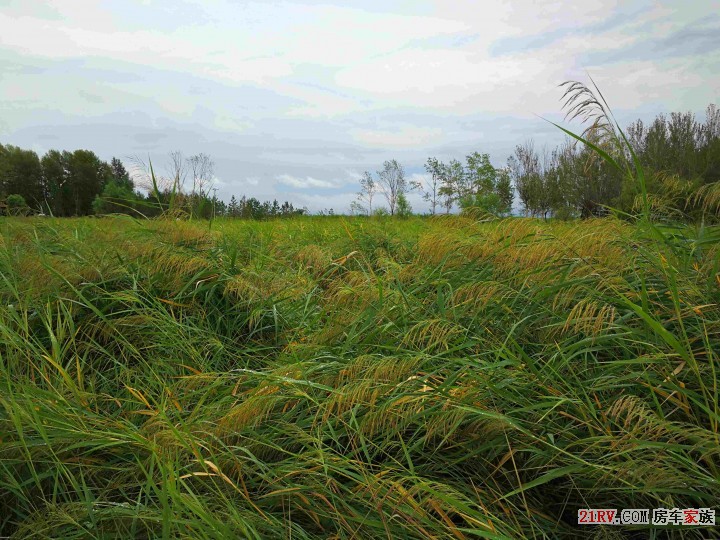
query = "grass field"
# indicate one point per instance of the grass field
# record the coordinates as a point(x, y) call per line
point(354, 378)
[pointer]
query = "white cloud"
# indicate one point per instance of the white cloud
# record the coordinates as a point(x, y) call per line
point(304, 183)
point(400, 137)
point(227, 123)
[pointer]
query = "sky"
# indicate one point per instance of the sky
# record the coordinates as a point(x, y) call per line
point(294, 100)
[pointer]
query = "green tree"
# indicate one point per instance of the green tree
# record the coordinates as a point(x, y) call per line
point(391, 180)
point(711, 146)
point(233, 210)
point(87, 177)
point(453, 186)
point(480, 174)
point(446, 190)
point(486, 187)
point(368, 188)
point(4, 169)
point(201, 168)
point(118, 195)
point(403, 209)
point(504, 191)
point(116, 198)
point(56, 184)
point(431, 192)
point(120, 175)
point(525, 171)
point(22, 175)
point(253, 209)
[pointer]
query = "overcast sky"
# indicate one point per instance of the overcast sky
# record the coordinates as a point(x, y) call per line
point(294, 100)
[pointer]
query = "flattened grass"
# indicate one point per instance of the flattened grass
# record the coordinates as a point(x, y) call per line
point(352, 378)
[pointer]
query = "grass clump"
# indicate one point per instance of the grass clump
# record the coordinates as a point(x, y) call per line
point(348, 378)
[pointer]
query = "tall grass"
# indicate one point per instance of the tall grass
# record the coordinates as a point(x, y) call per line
point(351, 378)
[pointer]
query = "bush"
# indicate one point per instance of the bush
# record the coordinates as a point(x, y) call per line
point(17, 206)
point(403, 206)
point(115, 199)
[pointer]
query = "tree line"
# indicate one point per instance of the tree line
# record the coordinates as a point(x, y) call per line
point(79, 183)
point(681, 157)
point(475, 184)
point(252, 208)
point(61, 183)
point(67, 184)
point(679, 154)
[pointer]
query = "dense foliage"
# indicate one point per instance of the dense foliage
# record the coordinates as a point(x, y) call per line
point(680, 155)
point(354, 378)
point(61, 183)
point(78, 183)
